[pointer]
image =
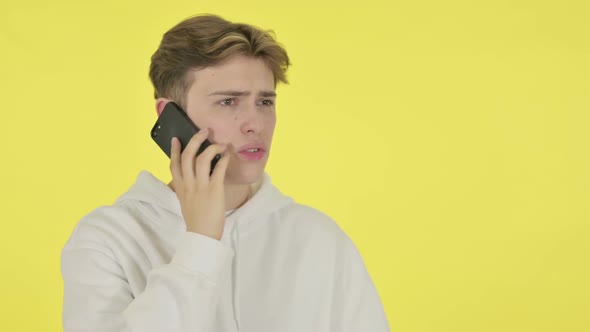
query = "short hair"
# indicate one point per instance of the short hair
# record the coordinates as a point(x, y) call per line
point(207, 40)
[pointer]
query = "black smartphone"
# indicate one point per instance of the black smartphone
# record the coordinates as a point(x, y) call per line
point(174, 122)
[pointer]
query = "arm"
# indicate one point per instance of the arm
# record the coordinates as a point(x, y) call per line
point(357, 306)
point(178, 296)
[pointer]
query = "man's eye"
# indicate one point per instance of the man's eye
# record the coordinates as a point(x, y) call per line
point(227, 102)
point(267, 102)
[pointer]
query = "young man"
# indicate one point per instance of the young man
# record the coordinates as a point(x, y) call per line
point(226, 252)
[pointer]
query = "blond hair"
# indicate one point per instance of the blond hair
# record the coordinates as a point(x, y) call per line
point(206, 40)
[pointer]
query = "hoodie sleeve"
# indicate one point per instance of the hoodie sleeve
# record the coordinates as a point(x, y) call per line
point(357, 306)
point(178, 296)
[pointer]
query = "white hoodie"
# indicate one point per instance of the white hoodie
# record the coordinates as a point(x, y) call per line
point(280, 266)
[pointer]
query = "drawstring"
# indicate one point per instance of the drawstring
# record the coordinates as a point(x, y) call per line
point(235, 238)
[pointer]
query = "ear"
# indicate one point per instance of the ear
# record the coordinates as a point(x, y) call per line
point(160, 104)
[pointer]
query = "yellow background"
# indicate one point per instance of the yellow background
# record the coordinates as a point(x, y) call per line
point(448, 138)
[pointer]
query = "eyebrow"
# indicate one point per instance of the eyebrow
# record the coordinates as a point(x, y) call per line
point(235, 93)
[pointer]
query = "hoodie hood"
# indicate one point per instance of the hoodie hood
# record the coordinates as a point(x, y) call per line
point(252, 214)
point(247, 218)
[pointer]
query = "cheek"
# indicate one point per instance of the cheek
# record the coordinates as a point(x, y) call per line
point(203, 122)
point(219, 131)
point(220, 135)
point(270, 123)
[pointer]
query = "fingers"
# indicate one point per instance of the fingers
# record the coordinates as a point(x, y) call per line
point(203, 163)
point(175, 168)
point(195, 172)
point(189, 153)
point(218, 175)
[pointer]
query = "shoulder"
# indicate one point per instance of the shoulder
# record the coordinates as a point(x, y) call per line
point(109, 224)
point(312, 225)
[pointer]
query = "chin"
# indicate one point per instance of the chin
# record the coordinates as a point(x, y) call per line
point(248, 174)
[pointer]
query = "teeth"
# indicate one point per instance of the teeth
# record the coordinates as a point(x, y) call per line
point(252, 150)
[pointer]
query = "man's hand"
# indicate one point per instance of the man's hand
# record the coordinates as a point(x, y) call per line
point(202, 197)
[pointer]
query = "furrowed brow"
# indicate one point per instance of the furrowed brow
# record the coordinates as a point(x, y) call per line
point(267, 93)
point(230, 93)
point(235, 93)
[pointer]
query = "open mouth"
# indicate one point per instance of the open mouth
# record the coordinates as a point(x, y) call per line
point(252, 154)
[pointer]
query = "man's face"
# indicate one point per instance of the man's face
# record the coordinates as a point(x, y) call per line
point(236, 101)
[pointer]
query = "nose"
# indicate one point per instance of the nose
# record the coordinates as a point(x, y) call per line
point(252, 121)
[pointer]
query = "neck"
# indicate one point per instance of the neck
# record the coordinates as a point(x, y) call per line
point(236, 195)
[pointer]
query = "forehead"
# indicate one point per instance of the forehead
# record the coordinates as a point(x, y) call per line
point(240, 73)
